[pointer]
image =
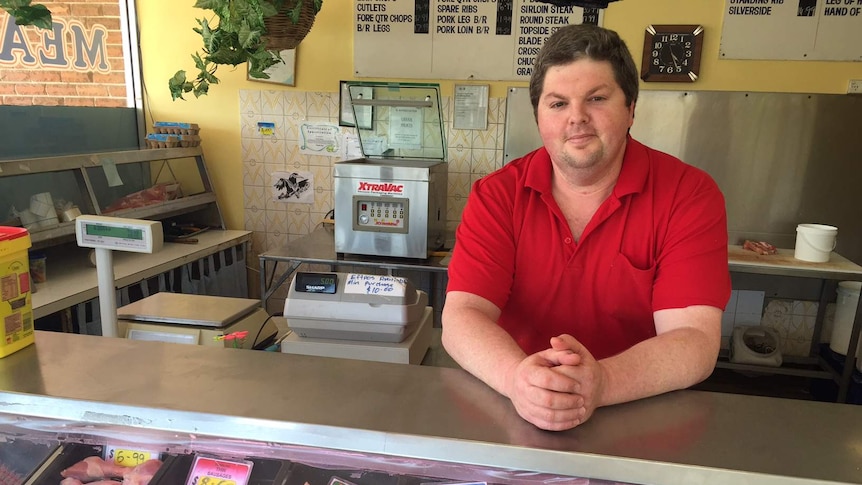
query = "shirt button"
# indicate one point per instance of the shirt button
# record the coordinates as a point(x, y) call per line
point(568, 240)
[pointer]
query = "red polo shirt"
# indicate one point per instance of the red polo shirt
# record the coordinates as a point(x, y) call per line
point(659, 241)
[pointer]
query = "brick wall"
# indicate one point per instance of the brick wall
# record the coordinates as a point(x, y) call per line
point(78, 63)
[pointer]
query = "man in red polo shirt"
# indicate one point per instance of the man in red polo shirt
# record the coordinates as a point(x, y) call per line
point(593, 270)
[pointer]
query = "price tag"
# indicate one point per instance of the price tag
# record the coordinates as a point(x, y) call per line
point(210, 471)
point(368, 284)
point(124, 456)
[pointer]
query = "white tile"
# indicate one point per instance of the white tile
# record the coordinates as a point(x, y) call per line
point(804, 308)
point(750, 302)
point(249, 101)
point(731, 304)
point(272, 102)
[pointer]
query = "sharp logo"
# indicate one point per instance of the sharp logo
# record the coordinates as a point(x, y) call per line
point(381, 188)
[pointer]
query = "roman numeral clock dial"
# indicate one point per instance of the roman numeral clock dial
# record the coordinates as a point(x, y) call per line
point(672, 53)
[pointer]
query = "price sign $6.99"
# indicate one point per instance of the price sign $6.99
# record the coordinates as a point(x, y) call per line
point(130, 458)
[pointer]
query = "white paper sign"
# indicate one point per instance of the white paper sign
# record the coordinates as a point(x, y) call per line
point(405, 127)
point(351, 147)
point(369, 284)
point(805, 30)
point(471, 107)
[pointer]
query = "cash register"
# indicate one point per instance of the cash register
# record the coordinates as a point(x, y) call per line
point(357, 316)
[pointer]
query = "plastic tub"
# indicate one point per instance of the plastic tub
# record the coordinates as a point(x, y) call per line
point(815, 242)
point(16, 308)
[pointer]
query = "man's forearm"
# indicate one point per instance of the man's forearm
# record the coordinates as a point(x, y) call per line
point(670, 361)
point(481, 347)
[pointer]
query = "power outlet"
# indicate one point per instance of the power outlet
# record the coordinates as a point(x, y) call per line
point(854, 86)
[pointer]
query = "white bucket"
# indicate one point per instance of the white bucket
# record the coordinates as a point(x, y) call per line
point(815, 242)
point(845, 313)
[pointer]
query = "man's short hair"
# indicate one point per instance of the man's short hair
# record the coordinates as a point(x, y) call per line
point(575, 42)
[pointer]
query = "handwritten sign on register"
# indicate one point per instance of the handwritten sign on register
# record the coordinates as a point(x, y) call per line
point(369, 284)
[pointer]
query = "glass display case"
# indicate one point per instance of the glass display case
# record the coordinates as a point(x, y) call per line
point(46, 194)
point(304, 419)
point(45, 451)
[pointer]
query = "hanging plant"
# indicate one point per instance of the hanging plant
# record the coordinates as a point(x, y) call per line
point(26, 14)
point(252, 31)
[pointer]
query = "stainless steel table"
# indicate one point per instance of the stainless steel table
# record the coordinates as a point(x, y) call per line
point(783, 264)
point(318, 247)
point(182, 394)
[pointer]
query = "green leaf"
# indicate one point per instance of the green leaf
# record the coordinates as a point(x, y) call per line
point(179, 78)
point(248, 38)
point(201, 89)
point(199, 63)
point(176, 84)
point(25, 14)
point(294, 12)
point(209, 4)
point(267, 9)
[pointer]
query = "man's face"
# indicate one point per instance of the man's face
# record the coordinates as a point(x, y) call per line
point(582, 115)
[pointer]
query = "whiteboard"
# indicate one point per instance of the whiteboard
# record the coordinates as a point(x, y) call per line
point(825, 30)
point(456, 39)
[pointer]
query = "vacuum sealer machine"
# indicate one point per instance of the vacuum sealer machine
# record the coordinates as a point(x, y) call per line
point(392, 202)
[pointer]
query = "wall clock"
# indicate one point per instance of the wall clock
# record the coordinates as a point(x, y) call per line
point(672, 53)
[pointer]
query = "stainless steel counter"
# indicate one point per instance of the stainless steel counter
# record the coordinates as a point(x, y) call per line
point(424, 412)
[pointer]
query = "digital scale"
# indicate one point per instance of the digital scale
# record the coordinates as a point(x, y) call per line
point(165, 317)
point(358, 316)
point(196, 320)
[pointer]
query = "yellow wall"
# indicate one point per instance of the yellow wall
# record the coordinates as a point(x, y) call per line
point(326, 57)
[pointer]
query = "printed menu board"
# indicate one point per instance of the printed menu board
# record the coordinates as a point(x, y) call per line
point(817, 30)
point(456, 39)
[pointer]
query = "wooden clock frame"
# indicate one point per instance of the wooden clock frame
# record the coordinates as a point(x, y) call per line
point(694, 71)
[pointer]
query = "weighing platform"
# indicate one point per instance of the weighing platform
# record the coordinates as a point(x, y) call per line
point(196, 320)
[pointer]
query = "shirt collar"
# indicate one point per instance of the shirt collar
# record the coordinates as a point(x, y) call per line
point(632, 177)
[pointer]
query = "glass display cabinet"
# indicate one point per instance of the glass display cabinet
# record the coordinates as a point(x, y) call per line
point(45, 194)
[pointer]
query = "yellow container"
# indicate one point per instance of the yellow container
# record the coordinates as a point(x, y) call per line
point(16, 307)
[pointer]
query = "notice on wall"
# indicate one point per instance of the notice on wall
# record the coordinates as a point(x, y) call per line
point(817, 30)
point(456, 39)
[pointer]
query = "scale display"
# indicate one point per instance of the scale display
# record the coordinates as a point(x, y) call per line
point(114, 232)
point(118, 233)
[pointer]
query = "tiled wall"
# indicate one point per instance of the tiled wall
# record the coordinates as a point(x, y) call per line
point(471, 155)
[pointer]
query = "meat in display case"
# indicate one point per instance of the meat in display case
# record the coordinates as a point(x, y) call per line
point(49, 452)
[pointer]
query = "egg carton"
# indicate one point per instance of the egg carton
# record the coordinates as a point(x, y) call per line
point(162, 140)
point(174, 128)
point(190, 140)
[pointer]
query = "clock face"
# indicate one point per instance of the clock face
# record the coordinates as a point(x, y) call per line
point(672, 53)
